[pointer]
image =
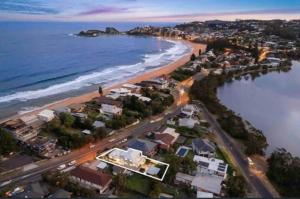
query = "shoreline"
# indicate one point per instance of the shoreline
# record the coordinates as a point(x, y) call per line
point(163, 70)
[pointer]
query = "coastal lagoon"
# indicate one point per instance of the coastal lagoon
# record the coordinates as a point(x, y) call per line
point(270, 103)
point(45, 62)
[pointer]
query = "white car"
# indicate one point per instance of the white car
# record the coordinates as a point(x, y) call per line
point(61, 167)
point(112, 140)
point(72, 163)
point(250, 162)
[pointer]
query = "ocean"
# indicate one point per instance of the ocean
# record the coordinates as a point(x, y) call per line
point(42, 62)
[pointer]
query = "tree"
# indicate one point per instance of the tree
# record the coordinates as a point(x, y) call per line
point(188, 165)
point(284, 171)
point(256, 143)
point(120, 182)
point(193, 57)
point(100, 90)
point(67, 119)
point(200, 51)
point(7, 142)
point(236, 186)
point(174, 162)
point(100, 133)
point(156, 189)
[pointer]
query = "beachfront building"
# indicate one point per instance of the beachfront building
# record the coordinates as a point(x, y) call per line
point(91, 179)
point(22, 131)
point(46, 115)
point(63, 109)
point(203, 147)
point(132, 87)
point(211, 166)
point(159, 83)
point(110, 107)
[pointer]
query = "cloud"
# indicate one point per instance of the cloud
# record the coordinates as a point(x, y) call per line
point(104, 10)
point(33, 7)
point(237, 13)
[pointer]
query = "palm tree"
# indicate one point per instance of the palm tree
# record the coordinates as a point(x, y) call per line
point(100, 91)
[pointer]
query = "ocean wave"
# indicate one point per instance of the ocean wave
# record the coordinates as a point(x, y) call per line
point(104, 77)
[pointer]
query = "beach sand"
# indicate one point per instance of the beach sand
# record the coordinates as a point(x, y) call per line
point(164, 70)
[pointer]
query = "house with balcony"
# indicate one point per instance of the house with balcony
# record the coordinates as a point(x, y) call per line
point(110, 107)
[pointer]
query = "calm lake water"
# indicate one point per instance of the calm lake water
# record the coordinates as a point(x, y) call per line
point(271, 103)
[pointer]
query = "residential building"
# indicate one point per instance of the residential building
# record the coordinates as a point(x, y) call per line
point(147, 147)
point(132, 87)
point(46, 115)
point(188, 110)
point(202, 194)
point(166, 138)
point(110, 107)
point(208, 183)
point(211, 166)
point(42, 145)
point(81, 116)
point(60, 110)
point(91, 179)
point(134, 161)
point(77, 108)
point(159, 83)
point(20, 130)
point(187, 122)
point(131, 157)
point(182, 178)
point(98, 124)
point(203, 147)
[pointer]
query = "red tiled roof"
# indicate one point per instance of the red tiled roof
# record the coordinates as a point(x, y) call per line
point(165, 138)
point(92, 176)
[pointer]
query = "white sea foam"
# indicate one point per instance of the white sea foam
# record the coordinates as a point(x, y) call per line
point(106, 76)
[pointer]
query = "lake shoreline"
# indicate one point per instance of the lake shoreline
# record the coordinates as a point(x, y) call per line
point(264, 96)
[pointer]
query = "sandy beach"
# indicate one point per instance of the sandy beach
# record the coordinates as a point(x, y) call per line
point(164, 70)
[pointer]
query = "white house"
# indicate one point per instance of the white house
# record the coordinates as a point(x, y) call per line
point(110, 107)
point(187, 122)
point(211, 166)
point(46, 115)
point(130, 157)
point(188, 110)
point(98, 124)
point(208, 183)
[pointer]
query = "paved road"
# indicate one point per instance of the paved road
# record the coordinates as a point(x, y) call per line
point(86, 152)
point(236, 154)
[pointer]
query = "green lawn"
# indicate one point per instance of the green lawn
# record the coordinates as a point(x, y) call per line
point(139, 183)
point(224, 156)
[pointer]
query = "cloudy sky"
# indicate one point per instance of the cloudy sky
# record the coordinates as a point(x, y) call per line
point(147, 10)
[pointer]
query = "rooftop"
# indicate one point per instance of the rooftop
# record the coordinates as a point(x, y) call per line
point(90, 175)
